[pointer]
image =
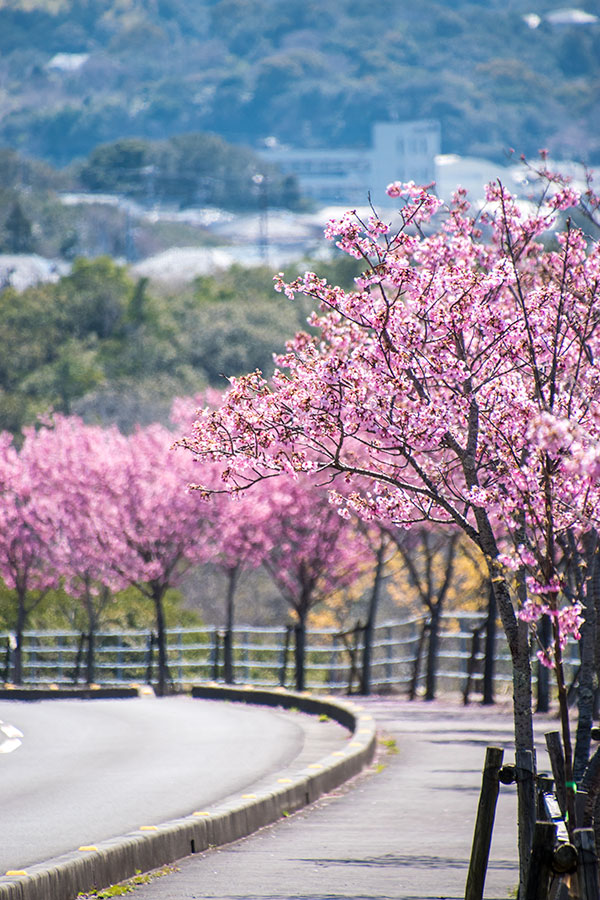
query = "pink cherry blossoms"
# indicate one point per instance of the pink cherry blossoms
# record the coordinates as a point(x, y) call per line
point(457, 384)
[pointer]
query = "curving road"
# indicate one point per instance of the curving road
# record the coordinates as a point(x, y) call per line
point(75, 772)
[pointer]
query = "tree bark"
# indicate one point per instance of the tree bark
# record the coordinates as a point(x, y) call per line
point(543, 672)
point(432, 651)
point(91, 637)
point(517, 634)
point(587, 674)
point(18, 654)
point(161, 643)
point(489, 663)
point(365, 679)
point(300, 655)
point(232, 575)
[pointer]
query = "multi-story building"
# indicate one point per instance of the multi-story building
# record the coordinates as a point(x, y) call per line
point(399, 151)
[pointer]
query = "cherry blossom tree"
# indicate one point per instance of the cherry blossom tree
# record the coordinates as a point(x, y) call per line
point(458, 385)
point(27, 534)
point(313, 551)
point(237, 540)
point(76, 461)
point(161, 522)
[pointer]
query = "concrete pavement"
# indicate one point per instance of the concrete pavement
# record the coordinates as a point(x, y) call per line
point(400, 831)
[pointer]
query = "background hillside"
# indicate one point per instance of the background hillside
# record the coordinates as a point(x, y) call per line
point(308, 72)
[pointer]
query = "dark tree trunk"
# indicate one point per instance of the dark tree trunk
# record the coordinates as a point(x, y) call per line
point(90, 668)
point(232, 575)
point(161, 644)
point(517, 635)
point(587, 644)
point(365, 680)
point(489, 663)
point(18, 654)
point(432, 651)
point(91, 637)
point(300, 636)
point(543, 672)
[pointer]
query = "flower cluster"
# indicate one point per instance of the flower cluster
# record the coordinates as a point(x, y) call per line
point(567, 623)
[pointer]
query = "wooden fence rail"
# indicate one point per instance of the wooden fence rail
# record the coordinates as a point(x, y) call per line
point(262, 656)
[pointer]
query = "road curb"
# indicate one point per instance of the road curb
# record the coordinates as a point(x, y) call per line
point(68, 693)
point(152, 846)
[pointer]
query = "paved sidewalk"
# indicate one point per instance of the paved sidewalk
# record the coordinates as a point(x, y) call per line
point(401, 831)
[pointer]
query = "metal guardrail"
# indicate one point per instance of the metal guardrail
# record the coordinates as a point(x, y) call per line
point(262, 656)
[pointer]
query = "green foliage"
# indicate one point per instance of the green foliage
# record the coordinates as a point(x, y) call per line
point(187, 169)
point(126, 887)
point(99, 344)
point(128, 610)
point(316, 72)
point(17, 229)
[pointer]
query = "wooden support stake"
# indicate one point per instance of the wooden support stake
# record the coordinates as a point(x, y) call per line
point(587, 870)
point(525, 766)
point(484, 824)
point(557, 761)
point(540, 864)
point(581, 798)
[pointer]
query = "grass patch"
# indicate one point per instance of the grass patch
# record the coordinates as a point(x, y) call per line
point(127, 887)
point(390, 744)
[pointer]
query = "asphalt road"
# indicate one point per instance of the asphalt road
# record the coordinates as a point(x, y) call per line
point(74, 772)
point(400, 831)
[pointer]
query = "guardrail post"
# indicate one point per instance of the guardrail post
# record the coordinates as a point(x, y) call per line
point(484, 824)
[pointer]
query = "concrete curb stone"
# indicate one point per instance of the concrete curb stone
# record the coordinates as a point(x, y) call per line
point(69, 693)
point(153, 846)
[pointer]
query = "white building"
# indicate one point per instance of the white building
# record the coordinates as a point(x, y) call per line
point(399, 151)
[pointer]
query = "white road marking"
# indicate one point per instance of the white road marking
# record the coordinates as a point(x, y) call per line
point(13, 738)
point(11, 732)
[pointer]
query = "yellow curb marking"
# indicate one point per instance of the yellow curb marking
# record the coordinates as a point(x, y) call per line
point(315, 766)
point(284, 781)
point(338, 753)
point(366, 719)
point(87, 848)
point(13, 872)
point(248, 796)
point(148, 828)
point(201, 813)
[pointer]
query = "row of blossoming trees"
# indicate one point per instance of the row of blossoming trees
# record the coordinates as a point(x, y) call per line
point(92, 511)
point(458, 384)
